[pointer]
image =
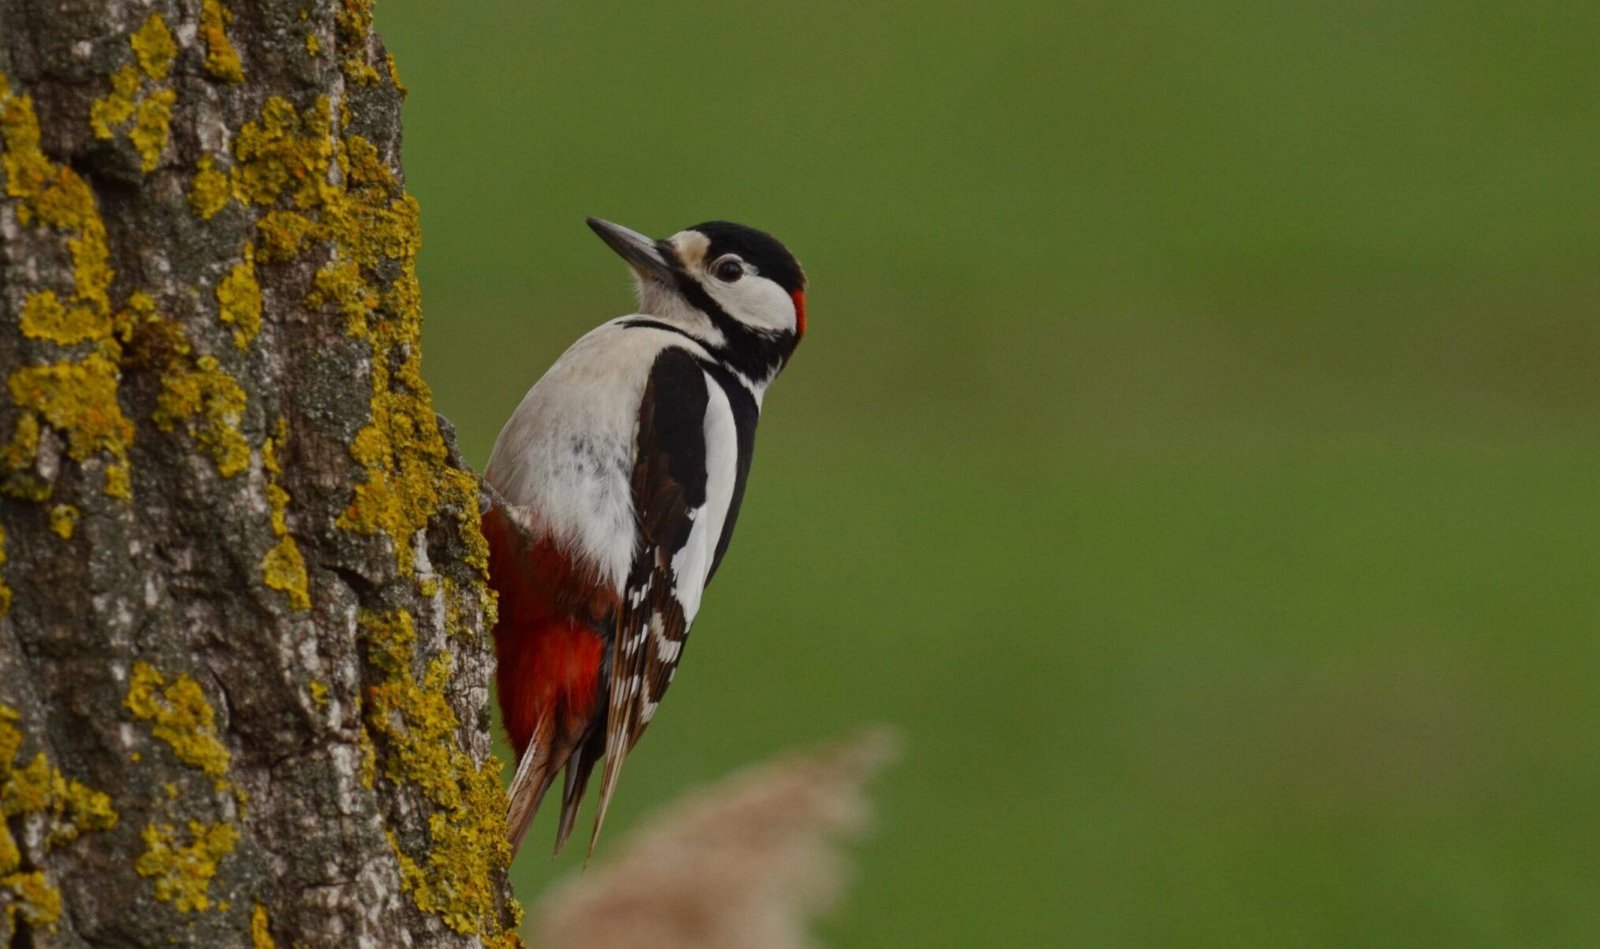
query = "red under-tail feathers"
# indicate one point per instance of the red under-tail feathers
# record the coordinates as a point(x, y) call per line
point(549, 654)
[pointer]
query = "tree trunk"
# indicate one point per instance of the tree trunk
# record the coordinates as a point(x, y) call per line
point(243, 670)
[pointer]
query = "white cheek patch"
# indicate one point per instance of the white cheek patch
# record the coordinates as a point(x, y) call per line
point(756, 302)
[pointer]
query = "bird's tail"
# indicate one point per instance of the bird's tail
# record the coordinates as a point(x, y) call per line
point(534, 773)
point(547, 753)
point(579, 767)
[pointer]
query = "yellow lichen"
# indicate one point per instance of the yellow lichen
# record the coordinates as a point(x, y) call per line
point(313, 45)
point(369, 760)
point(77, 397)
point(119, 481)
point(222, 60)
point(261, 929)
point(138, 316)
point(339, 196)
point(17, 456)
point(284, 234)
point(196, 392)
point(137, 98)
point(208, 403)
point(458, 599)
point(394, 74)
point(151, 125)
point(342, 284)
point(10, 855)
point(80, 399)
point(116, 107)
point(38, 902)
point(153, 45)
point(408, 479)
point(210, 190)
point(64, 520)
point(454, 877)
point(181, 717)
point(69, 809)
point(269, 458)
point(319, 692)
point(371, 222)
point(182, 873)
point(45, 317)
point(239, 297)
point(284, 154)
point(55, 196)
point(354, 22)
point(283, 568)
point(278, 500)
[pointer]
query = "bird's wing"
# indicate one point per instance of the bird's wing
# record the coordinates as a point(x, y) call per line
point(669, 493)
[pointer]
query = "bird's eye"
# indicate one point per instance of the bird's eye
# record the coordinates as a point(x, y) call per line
point(729, 269)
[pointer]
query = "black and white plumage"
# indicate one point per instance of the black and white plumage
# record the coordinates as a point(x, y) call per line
point(617, 483)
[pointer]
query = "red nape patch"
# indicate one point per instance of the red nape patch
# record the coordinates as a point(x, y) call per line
point(799, 297)
point(548, 655)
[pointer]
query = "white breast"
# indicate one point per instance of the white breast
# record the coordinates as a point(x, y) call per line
point(565, 457)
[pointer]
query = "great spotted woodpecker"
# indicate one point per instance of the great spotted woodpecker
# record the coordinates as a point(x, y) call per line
point(615, 486)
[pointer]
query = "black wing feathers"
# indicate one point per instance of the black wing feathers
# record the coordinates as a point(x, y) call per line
point(669, 482)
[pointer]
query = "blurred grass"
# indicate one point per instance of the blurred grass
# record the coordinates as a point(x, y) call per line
point(1194, 450)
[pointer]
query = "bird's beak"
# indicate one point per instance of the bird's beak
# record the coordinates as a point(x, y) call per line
point(641, 253)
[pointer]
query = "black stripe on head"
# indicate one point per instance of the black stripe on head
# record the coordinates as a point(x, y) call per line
point(758, 355)
point(770, 257)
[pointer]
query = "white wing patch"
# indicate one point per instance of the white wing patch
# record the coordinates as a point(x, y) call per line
point(692, 564)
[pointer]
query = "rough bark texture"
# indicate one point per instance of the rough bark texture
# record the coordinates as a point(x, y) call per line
point(243, 671)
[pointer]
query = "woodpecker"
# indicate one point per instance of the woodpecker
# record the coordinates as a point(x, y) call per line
point(614, 488)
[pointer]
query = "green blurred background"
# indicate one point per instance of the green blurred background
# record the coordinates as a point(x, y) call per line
point(1194, 449)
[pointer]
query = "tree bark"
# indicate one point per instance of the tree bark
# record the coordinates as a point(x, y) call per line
point(243, 669)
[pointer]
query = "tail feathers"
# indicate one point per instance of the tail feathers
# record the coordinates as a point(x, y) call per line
point(545, 757)
point(579, 767)
point(535, 772)
point(617, 748)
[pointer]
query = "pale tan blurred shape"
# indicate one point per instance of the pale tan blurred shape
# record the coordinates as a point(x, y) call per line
point(745, 862)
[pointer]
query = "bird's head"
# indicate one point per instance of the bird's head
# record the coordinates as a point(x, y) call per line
point(735, 288)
